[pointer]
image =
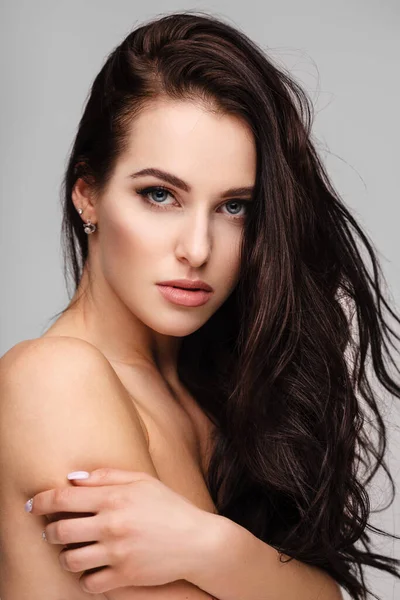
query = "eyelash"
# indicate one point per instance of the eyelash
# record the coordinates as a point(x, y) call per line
point(145, 191)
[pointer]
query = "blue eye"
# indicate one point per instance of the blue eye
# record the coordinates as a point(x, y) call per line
point(238, 205)
point(145, 192)
point(158, 202)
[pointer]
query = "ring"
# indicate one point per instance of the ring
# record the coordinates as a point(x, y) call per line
point(44, 535)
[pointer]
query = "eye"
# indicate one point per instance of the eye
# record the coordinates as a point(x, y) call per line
point(237, 205)
point(161, 194)
point(156, 195)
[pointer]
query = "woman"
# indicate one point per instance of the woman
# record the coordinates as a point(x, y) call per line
point(207, 357)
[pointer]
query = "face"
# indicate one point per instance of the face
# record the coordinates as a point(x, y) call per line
point(150, 230)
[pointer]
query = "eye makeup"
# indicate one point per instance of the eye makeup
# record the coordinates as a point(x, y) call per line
point(145, 192)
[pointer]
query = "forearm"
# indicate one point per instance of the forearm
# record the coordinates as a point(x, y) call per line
point(239, 566)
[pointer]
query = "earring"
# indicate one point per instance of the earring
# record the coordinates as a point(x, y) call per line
point(89, 227)
point(80, 211)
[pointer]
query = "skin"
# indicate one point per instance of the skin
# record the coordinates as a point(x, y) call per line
point(139, 243)
point(197, 236)
point(136, 246)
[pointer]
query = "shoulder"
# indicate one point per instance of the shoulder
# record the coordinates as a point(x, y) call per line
point(63, 399)
point(65, 364)
point(57, 376)
point(49, 353)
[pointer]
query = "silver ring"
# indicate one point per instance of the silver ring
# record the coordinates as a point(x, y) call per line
point(44, 535)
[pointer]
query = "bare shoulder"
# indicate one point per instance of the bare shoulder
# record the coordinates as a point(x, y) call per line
point(64, 399)
point(53, 356)
point(69, 363)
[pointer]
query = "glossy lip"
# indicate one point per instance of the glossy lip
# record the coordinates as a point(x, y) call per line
point(184, 297)
point(188, 284)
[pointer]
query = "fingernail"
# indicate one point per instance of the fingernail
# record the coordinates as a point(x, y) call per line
point(28, 505)
point(78, 475)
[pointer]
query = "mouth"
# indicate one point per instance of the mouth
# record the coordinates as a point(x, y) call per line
point(187, 284)
point(185, 296)
point(179, 287)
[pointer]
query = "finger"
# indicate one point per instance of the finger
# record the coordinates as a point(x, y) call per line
point(108, 476)
point(82, 559)
point(103, 581)
point(72, 531)
point(68, 499)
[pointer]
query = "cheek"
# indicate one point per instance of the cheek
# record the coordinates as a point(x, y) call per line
point(228, 259)
point(133, 241)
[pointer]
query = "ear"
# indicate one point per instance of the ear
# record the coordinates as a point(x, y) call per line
point(83, 197)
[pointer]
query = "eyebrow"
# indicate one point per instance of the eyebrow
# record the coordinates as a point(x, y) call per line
point(179, 183)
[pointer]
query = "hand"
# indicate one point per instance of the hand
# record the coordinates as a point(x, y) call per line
point(145, 533)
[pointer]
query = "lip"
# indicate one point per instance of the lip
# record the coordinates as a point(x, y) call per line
point(184, 297)
point(188, 284)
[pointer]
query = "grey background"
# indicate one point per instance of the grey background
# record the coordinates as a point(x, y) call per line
point(346, 55)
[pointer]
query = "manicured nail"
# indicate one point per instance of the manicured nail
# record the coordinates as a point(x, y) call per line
point(78, 475)
point(28, 505)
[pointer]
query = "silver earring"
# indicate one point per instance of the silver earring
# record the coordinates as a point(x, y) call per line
point(89, 227)
point(80, 211)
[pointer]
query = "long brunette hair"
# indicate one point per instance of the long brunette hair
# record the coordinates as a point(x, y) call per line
point(280, 368)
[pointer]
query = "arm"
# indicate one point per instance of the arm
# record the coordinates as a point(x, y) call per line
point(62, 407)
point(240, 566)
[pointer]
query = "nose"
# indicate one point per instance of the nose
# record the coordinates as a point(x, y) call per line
point(194, 240)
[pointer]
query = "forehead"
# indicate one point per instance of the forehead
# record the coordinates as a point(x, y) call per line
point(186, 137)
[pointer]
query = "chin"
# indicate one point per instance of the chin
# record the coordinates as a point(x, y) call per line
point(178, 327)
